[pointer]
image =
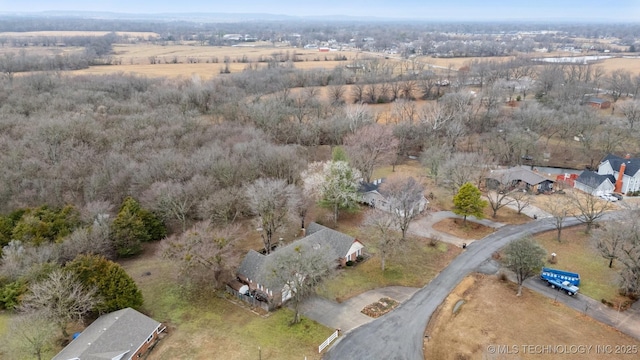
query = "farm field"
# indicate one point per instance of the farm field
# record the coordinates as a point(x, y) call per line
point(484, 320)
point(132, 34)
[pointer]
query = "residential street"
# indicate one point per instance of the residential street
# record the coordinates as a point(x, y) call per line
point(399, 334)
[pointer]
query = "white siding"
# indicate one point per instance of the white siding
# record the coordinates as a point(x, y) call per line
point(605, 169)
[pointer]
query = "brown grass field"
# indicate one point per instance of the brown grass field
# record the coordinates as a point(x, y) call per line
point(532, 319)
point(130, 34)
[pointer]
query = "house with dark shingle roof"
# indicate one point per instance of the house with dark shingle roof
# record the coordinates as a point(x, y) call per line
point(519, 177)
point(593, 183)
point(373, 194)
point(625, 170)
point(121, 335)
point(256, 269)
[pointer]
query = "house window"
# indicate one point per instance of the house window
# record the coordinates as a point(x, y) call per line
point(150, 338)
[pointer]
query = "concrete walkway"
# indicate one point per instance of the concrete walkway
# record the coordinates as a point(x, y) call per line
point(346, 315)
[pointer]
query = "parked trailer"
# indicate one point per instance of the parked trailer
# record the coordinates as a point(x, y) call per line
point(561, 280)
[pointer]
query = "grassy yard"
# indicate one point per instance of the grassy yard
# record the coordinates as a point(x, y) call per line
point(212, 326)
point(413, 266)
point(575, 254)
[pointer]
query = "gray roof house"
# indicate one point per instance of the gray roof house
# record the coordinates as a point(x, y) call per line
point(591, 182)
point(519, 177)
point(256, 268)
point(627, 167)
point(373, 194)
point(121, 335)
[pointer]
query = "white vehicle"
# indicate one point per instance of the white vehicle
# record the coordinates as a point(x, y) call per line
point(609, 197)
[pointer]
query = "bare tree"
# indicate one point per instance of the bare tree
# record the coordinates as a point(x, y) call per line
point(522, 199)
point(31, 334)
point(204, 253)
point(336, 94)
point(270, 200)
point(465, 167)
point(589, 207)
point(525, 258)
point(558, 206)
point(631, 111)
point(608, 240)
point(381, 225)
point(498, 194)
point(406, 200)
point(301, 268)
point(369, 147)
point(61, 298)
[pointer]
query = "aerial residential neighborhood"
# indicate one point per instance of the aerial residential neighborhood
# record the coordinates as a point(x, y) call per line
point(336, 180)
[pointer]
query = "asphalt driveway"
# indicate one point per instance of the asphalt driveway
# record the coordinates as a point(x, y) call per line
point(346, 315)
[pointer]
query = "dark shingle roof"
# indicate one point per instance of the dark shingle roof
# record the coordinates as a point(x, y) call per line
point(519, 174)
point(258, 267)
point(593, 179)
point(633, 164)
point(366, 187)
point(113, 334)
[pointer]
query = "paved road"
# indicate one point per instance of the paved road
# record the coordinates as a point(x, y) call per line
point(399, 334)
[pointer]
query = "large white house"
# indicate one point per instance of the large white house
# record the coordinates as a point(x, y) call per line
point(625, 170)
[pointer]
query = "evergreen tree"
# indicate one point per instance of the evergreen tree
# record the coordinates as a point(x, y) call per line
point(113, 285)
point(468, 201)
point(134, 225)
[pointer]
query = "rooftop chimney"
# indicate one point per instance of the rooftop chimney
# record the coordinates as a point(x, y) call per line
point(618, 187)
point(628, 156)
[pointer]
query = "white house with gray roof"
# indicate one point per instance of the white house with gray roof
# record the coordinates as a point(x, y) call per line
point(121, 335)
point(625, 170)
point(256, 270)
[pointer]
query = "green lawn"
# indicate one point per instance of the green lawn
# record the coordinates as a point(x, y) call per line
point(575, 254)
point(415, 266)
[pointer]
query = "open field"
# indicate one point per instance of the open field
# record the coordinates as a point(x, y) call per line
point(130, 34)
point(576, 254)
point(532, 319)
point(213, 327)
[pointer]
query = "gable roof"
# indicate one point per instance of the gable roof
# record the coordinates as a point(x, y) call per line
point(257, 266)
point(366, 187)
point(633, 164)
point(115, 334)
point(518, 174)
point(593, 179)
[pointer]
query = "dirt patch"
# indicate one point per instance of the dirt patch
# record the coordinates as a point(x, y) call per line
point(463, 230)
point(494, 315)
point(380, 307)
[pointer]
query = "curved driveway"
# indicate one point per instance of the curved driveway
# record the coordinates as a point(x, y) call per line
point(399, 334)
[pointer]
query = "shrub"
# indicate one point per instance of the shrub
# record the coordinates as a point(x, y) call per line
point(350, 263)
point(359, 258)
point(10, 294)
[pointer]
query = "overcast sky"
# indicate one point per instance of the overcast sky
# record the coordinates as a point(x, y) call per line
point(586, 10)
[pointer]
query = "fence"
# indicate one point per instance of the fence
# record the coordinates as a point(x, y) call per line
point(250, 300)
point(328, 341)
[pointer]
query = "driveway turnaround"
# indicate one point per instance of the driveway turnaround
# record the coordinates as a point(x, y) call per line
point(346, 315)
point(400, 334)
point(424, 227)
